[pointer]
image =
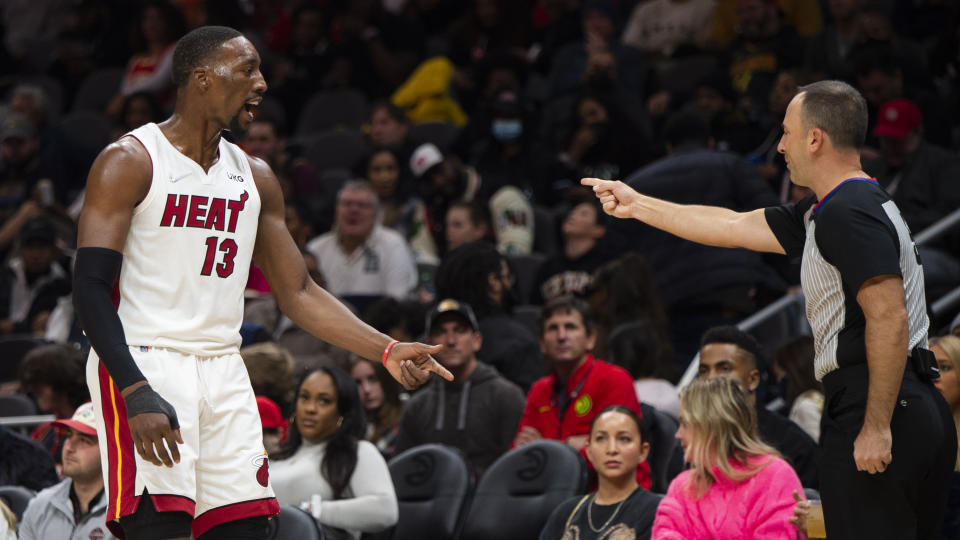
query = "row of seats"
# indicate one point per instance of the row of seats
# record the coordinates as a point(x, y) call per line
point(512, 500)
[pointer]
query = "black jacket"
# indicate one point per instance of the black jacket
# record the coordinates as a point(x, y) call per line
point(798, 448)
point(685, 271)
point(24, 462)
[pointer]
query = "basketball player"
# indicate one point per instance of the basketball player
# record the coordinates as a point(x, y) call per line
point(185, 211)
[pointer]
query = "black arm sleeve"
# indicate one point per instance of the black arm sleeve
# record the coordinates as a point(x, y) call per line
point(95, 273)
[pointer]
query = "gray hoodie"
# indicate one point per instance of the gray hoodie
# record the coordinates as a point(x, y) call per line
point(50, 515)
point(479, 416)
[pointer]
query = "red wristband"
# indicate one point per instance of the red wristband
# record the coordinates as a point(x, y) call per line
point(386, 352)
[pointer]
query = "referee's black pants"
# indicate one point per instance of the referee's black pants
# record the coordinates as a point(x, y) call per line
point(908, 500)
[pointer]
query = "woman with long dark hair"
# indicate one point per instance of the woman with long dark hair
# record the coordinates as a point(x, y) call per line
point(326, 466)
point(380, 396)
point(793, 368)
point(620, 508)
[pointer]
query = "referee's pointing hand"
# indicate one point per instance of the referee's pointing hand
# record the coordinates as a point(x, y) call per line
point(618, 199)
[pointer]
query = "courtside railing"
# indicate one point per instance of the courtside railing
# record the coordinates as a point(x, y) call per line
point(794, 298)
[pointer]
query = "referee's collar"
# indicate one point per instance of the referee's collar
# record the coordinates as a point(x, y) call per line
point(834, 190)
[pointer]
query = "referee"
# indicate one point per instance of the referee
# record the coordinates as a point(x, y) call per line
point(888, 439)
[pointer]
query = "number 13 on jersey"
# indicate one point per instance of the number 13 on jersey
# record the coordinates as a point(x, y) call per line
point(214, 245)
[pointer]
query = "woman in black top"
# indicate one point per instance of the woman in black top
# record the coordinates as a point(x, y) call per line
point(620, 509)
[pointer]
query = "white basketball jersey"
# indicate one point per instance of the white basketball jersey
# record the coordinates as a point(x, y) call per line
point(188, 252)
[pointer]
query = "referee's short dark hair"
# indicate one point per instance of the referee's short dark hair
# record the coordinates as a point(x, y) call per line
point(734, 336)
point(838, 109)
point(196, 47)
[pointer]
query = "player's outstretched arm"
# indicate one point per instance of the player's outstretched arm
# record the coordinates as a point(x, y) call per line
point(119, 178)
point(317, 311)
point(710, 225)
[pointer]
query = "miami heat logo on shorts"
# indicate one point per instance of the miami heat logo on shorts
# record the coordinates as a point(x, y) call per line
point(263, 472)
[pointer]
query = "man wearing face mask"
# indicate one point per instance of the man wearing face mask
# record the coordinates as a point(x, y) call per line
point(507, 155)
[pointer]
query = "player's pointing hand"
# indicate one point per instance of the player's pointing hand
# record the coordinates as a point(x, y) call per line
point(618, 199)
point(411, 364)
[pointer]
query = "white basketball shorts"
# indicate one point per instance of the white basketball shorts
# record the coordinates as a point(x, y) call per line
point(222, 475)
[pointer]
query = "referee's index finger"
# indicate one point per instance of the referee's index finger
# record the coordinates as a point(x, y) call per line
point(598, 184)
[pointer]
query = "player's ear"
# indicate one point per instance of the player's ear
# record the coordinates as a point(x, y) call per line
point(200, 75)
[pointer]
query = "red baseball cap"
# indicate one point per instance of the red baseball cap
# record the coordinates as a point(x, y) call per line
point(83, 420)
point(270, 416)
point(897, 119)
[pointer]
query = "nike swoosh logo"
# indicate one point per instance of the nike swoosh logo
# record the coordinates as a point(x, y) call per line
point(179, 178)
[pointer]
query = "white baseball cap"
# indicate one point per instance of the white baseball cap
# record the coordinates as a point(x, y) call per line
point(424, 158)
point(83, 420)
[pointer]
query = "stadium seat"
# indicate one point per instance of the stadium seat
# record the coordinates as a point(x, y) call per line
point(85, 133)
point(16, 498)
point(17, 405)
point(12, 350)
point(525, 269)
point(666, 454)
point(332, 109)
point(293, 524)
point(546, 235)
point(441, 134)
point(529, 316)
point(336, 149)
point(518, 492)
point(433, 483)
point(97, 89)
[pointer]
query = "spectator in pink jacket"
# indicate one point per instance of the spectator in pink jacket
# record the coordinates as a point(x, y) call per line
point(738, 486)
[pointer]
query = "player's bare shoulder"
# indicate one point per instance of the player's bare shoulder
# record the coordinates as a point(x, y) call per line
point(266, 181)
point(122, 170)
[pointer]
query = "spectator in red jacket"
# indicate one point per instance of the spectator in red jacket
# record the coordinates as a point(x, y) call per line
point(562, 405)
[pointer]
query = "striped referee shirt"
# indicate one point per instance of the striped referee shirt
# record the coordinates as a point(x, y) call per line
point(854, 234)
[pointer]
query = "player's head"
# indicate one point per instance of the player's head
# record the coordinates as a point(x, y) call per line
point(824, 117)
point(727, 351)
point(222, 68)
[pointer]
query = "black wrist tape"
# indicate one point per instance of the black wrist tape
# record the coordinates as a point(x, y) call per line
point(147, 400)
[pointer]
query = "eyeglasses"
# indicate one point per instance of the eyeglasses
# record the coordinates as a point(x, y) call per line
point(365, 205)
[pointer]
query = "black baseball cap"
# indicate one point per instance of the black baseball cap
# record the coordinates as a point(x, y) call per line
point(450, 305)
point(38, 228)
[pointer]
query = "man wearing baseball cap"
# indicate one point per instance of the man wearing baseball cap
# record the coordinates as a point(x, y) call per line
point(76, 507)
point(479, 411)
point(922, 179)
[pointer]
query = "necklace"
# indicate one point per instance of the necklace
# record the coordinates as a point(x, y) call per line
point(609, 519)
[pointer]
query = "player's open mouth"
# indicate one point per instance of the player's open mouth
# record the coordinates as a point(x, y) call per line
point(250, 107)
